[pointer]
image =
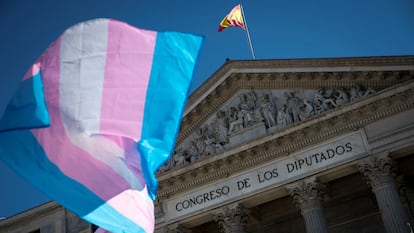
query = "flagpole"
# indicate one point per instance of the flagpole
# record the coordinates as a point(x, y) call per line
point(247, 33)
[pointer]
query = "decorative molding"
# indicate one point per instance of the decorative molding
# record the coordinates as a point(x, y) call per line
point(284, 80)
point(379, 171)
point(270, 147)
point(158, 211)
point(307, 194)
point(316, 65)
point(232, 219)
point(256, 113)
point(391, 78)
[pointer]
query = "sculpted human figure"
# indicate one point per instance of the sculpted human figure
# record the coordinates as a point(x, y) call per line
point(221, 127)
point(306, 110)
point(210, 140)
point(193, 152)
point(293, 105)
point(341, 97)
point(238, 121)
point(247, 110)
point(319, 107)
point(283, 117)
point(210, 145)
point(199, 140)
point(355, 92)
point(179, 158)
point(268, 111)
point(251, 100)
point(369, 91)
point(323, 103)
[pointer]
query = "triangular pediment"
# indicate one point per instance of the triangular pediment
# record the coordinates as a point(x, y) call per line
point(251, 99)
point(275, 107)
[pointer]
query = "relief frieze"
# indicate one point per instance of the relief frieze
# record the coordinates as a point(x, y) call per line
point(254, 113)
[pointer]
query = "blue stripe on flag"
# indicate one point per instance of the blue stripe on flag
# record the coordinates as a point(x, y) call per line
point(21, 152)
point(27, 109)
point(165, 101)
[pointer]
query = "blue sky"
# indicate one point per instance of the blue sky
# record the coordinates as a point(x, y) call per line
point(278, 29)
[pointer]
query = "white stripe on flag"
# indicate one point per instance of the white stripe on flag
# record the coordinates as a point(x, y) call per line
point(82, 73)
point(83, 58)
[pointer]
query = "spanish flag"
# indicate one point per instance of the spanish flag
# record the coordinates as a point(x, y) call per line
point(233, 19)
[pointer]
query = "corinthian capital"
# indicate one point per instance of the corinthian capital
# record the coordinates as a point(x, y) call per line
point(307, 194)
point(232, 219)
point(379, 171)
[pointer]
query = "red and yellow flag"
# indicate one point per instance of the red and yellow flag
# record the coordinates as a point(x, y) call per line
point(233, 19)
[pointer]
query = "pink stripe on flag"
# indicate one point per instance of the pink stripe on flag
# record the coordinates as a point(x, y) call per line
point(137, 206)
point(73, 161)
point(131, 158)
point(127, 73)
point(34, 70)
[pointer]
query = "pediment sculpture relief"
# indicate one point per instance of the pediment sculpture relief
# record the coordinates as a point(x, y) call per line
point(254, 113)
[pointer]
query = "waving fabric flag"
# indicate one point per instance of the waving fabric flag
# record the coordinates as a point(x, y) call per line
point(97, 115)
point(233, 19)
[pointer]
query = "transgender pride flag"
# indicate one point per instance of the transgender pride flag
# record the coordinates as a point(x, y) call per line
point(97, 115)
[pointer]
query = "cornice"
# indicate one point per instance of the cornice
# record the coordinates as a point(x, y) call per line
point(332, 123)
point(383, 63)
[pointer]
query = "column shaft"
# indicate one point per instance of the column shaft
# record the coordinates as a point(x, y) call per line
point(380, 173)
point(308, 195)
point(315, 221)
point(392, 212)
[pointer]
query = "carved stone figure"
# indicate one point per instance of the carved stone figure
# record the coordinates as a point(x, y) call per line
point(211, 137)
point(221, 126)
point(251, 100)
point(283, 117)
point(329, 98)
point(319, 106)
point(210, 140)
point(238, 120)
point(268, 111)
point(369, 91)
point(293, 104)
point(180, 158)
point(355, 92)
point(246, 107)
point(212, 145)
point(199, 140)
point(193, 152)
point(341, 97)
point(306, 110)
point(322, 102)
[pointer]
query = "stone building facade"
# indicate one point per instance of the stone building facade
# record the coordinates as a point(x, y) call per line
point(47, 218)
point(301, 145)
point(290, 146)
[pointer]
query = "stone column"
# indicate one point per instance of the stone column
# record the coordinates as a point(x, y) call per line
point(308, 196)
point(379, 172)
point(232, 219)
